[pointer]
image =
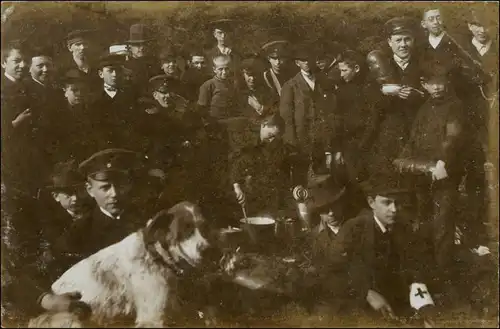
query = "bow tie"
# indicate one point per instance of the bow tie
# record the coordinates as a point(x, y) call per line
point(109, 88)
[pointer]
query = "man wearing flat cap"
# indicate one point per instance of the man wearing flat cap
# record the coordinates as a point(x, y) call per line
point(80, 43)
point(402, 93)
point(278, 54)
point(308, 109)
point(113, 109)
point(380, 255)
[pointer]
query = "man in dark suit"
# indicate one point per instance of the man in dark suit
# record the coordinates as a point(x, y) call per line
point(112, 111)
point(197, 72)
point(277, 53)
point(308, 109)
point(142, 60)
point(380, 256)
point(83, 51)
point(402, 94)
point(111, 183)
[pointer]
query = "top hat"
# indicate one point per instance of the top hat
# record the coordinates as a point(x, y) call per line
point(110, 163)
point(140, 33)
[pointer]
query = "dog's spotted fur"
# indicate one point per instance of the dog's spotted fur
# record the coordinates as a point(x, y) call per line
point(126, 279)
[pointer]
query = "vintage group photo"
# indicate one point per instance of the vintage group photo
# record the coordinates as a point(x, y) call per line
point(249, 164)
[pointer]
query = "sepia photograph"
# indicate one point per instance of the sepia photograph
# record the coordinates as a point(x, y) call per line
point(248, 164)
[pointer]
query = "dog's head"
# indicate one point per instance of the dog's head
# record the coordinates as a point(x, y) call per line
point(179, 234)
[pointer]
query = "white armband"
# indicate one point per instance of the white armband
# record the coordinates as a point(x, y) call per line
point(419, 296)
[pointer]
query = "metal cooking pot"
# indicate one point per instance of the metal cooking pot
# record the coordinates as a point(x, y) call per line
point(259, 229)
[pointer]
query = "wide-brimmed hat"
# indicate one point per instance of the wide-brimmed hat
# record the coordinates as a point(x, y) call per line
point(224, 24)
point(64, 176)
point(323, 192)
point(140, 33)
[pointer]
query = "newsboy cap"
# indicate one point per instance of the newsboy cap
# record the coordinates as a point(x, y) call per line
point(65, 175)
point(398, 25)
point(79, 36)
point(109, 163)
point(431, 70)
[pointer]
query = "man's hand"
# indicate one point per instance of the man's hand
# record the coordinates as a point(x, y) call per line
point(391, 89)
point(22, 117)
point(254, 103)
point(405, 92)
point(240, 196)
point(378, 303)
point(439, 172)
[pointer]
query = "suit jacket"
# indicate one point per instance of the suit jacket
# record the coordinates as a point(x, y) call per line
point(283, 77)
point(113, 119)
point(308, 115)
point(355, 252)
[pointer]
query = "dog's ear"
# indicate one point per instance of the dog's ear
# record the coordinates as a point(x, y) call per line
point(159, 226)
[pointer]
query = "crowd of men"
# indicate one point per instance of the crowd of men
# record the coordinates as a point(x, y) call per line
point(92, 146)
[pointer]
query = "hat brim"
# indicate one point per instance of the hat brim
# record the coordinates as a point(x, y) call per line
point(139, 41)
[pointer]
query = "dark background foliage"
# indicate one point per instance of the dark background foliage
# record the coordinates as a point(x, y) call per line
point(184, 23)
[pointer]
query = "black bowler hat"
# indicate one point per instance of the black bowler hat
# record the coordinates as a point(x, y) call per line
point(163, 83)
point(277, 48)
point(110, 164)
point(384, 184)
point(140, 33)
point(398, 25)
point(65, 176)
point(111, 60)
point(223, 24)
point(79, 36)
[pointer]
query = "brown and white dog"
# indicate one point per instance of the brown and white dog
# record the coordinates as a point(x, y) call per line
point(142, 274)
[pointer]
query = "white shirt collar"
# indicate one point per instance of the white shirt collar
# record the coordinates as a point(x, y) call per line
point(310, 82)
point(37, 81)
point(481, 48)
point(379, 223)
point(402, 63)
point(434, 41)
point(8, 76)
point(111, 94)
point(109, 214)
point(335, 229)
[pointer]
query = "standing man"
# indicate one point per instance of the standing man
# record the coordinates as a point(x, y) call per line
point(112, 112)
point(222, 31)
point(402, 99)
point(142, 61)
point(83, 56)
point(277, 53)
point(307, 109)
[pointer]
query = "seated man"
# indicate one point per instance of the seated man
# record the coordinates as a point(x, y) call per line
point(268, 171)
point(375, 262)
